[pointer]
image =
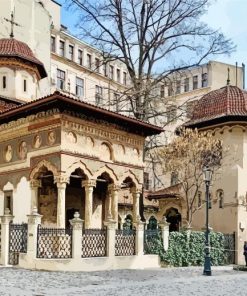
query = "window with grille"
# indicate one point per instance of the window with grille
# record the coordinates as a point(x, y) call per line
point(79, 87)
point(80, 59)
point(71, 52)
point(204, 79)
point(61, 48)
point(195, 82)
point(53, 44)
point(98, 95)
point(60, 79)
point(186, 84)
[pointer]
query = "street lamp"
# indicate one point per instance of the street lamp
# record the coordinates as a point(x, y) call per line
point(207, 174)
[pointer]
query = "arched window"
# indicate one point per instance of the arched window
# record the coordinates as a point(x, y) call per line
point(24, 85)
point(199, 199)
point(152, 223)
point(220, 197)
point(4, 82)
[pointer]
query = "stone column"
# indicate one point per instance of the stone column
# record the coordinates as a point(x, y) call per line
point(5, 220)
point(35, 185)
point(33, 222)
point(111, 233)
point(61, 182)
point(114, 190)
point(139, 226)
point(136, 204)
point(77, 225)
point(88, 185)
point(164, 225)
point(109, 203)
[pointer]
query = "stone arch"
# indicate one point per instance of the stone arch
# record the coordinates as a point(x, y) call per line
point(152, 222)
point(43, 163)
point(168, 206)
point(79, 165)
point(132, 176)
point(107, 170)
point(106, 151)
point(174, 217)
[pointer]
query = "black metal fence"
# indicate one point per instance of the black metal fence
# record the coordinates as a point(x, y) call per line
point(152, 237)
point(229, 246)
point(17, 241)
point(125, 242)
point(54, 243)
point(94, 242)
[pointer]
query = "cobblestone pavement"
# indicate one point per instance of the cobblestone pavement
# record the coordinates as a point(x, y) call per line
point(168, 282)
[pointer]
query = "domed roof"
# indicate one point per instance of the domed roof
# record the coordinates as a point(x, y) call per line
point(228, 101)
point(12, 48)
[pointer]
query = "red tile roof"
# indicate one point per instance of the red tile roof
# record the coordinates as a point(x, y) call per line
point(10, 47)
point(226, 101)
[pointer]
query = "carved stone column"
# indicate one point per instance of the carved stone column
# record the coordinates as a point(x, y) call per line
point(136, 204)
point(77, 225)
point(88, 185)
point(114, 190)
point(61, 182)
point(109, 203)
point(34, 185)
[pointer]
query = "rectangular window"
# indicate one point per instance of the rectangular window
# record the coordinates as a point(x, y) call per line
point(89, 61)
point(98, 95)
point(105, 70)
point(79, 87)
point(61, 48)
point(4, 82)
point(186, 84)
point(170, 90)
point(97, 65)
point(195, 82)
point(8, 201)
point(80, 59)
point(204, 79)
point(111, 72)
point(171, 113)
point(146, 181)
point(162, 91)
point(25, 85)
point(60, 79)
point(71, 52)
point(116, 101)
point(118, 76)
point(53, 44)
point(178, 87)
point(124, 78)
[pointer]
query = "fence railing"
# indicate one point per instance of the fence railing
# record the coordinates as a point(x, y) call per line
point(125, 242)
point(94, 242)
point(17, 241)
point(54, 243)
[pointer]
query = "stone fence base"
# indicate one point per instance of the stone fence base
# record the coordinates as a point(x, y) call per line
point(90, 264)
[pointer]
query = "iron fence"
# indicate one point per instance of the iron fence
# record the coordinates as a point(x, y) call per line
point(125, 242)
point(152, 237)
point(94, 242)
point(17, 241)
point(54, 243)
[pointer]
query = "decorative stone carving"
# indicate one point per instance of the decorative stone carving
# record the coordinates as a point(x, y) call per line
point(23, 150)
point(71, 137)
point(61, 180)
point(8, 153)
point(51, 138)
point(37, 141)
point(35, 183)
point(88, 183)
point(44, 163)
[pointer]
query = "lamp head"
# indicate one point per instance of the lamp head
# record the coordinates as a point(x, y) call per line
point(207, 174)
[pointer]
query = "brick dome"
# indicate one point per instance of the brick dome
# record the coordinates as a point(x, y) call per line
point(226, 102)
point(12, 48)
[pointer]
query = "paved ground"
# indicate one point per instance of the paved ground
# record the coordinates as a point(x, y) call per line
point(168, 282)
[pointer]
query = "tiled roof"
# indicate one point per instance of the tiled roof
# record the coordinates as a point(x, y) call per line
point(226, 101)
point(169, 192)
point(10, 47)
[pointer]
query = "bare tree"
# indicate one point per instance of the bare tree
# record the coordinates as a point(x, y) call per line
point(154, 39)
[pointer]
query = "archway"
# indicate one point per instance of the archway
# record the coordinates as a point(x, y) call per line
point(152, 223)
point(75, 195)
point(128, 222)
point(174, 218)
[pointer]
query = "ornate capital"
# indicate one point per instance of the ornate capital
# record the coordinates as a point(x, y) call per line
point(88, 183)
point(35, 183)
point(76, 222)
point(61, 181)
point(136, 191)
point(113, 187)
point(139, 225)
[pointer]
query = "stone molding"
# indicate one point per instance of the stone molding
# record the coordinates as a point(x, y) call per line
point(43, 163)
point(88, 183)
point(61, 180)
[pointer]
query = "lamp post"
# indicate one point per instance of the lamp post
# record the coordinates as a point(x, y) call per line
point(207, 173)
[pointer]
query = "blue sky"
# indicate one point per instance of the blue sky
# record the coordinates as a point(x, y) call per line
point(227, 15)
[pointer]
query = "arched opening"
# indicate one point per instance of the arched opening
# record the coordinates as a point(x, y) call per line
point(152, 223)
point(47, 196)
point(75, 196)
point(128, 222)
point(174, 218)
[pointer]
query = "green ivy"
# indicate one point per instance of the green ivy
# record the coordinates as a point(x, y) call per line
point(186, 248)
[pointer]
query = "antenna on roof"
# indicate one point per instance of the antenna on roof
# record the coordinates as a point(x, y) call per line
point(228, 76)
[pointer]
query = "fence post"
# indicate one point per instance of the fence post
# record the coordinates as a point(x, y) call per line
point(77, 225)
point(5, 220)
point(164, 225)
point(32, 238)
point(139, 239)
point(111, 234)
